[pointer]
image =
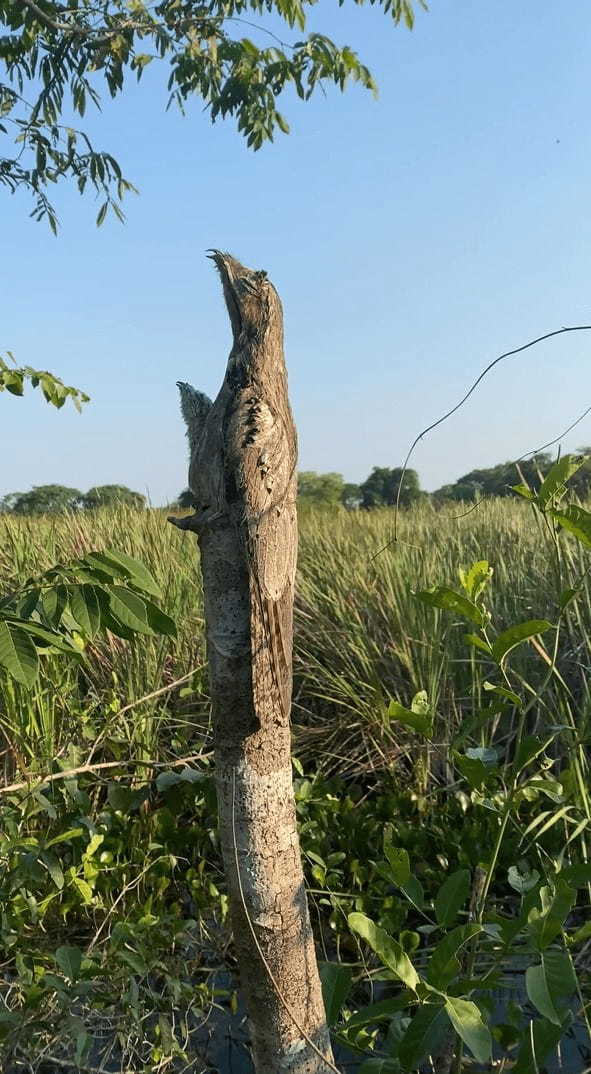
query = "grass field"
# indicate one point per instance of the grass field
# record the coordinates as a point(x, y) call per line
point(132, 712)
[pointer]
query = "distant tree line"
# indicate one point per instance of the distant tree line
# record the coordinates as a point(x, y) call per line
point(380, 489)
point(54, 499)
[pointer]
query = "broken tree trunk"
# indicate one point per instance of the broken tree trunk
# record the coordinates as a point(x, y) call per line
point(242, 476)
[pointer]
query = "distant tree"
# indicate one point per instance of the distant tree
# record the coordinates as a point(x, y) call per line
point(44, 500)
point(185, 499)
point(351, 496)
point(496, 480)
point(380, 489)
point(320, 488)
point(7, 502)
point(110, 495)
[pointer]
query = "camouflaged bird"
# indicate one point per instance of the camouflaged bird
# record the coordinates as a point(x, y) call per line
point(243, 455)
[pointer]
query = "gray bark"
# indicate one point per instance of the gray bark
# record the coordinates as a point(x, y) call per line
point(243, 478)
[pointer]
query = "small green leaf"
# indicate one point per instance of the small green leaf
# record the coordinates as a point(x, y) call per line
point(18, 654)
point(449, 600)
point(386, 948)
point(545, 1038)
point(400, 864)
point(576, 520)
point(549, 983)
point(517, 634)
point(478, 643)
point(451, 897)
point(467, 1022)
point(69, 960)
point(522, 881)
point(424, 1036)
point(418, 721)
point(554, 484)
point(502, 691)
point(444, 965)
point(53, 867)
point(476, 578)
point(523, 490)
point(556, 904)
point(129, 609)
point(336, 984)
point(85, 608)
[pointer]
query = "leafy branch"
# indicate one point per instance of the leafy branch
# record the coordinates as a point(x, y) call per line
point(13, 380)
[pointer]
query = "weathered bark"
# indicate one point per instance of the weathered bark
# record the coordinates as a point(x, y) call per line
point(243, 478)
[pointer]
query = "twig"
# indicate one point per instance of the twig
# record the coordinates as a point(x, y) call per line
point(139, 701)
point(96, 767)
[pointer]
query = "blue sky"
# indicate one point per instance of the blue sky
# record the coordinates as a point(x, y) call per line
point(412, 239)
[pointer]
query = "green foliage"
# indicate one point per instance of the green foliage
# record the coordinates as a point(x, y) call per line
point(43, 500)
point(380, 489)
point(497, 792)
point(58, 59)
point(13, 378)
point(501, 480)
point(110, 496)
point(320, 489)
point(55, 499)
point(62, 609)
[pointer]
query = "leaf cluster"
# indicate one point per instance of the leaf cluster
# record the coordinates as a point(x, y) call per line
point(63, 609)
point(68, 51)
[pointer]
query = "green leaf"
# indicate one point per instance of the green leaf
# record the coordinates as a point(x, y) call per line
point(386, 948)
point(50, 637)
point(54, 601)
point(83, 888)
point(502, 691)
point(522, 881)
point(473, 770)
point(65, 837)
point(476, 578)
point(545, 1039)
point(129, 609)
point(424, 1036)
point(400, 873)
point(18, 654)
point(379, 1066)
point(159, 621)
point(138, 574)
point(523, 490)
point(444, 965)
point(336, 985)
point(478, 643)
point(134, 960)
point(517, 634)
point(418, 721)
point(556, 904)
point(451, 896)
point(399, 863)
point(577, 875)
point(466, 1019)
point(53, 867)
point(576, 520)
point(548, 983)
point(69, 960)
point(85, 608)
point(449, 600)
point(554, 484)
point(376, 1013)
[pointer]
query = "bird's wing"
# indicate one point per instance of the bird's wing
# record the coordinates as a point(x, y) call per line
point(266, 486)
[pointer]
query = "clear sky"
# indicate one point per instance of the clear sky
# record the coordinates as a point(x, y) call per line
point(412, 240)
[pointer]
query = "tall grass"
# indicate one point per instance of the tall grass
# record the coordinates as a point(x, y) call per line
point(362, 637)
